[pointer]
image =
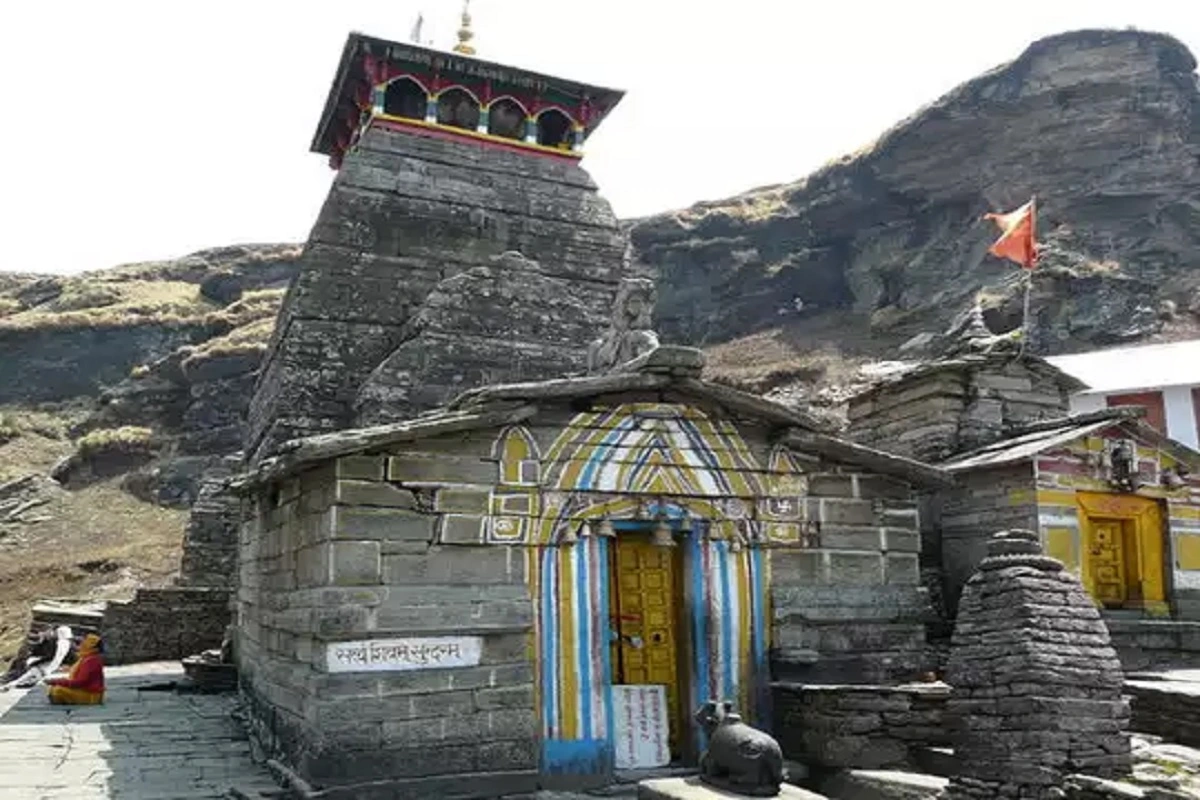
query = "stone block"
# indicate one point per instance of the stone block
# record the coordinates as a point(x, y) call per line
point(454, 609)
point(467, 727)
point(506, 648)
point(851, 537)
point(843, 511)
point(511, 754)
point(830, 485)
point(343, 622)
point(356, 564)
point(464, 500)
point(692, 788)
point(796, 566)
point(461, 529)
point(902, 541)
point(384, 524)
point(373, 493)
point(882, 487)
point(504, 697)
point(902, 569)
point(855, 568)
point(313, 565)
point(451, 565)
point(426, 469)
point(361, 468)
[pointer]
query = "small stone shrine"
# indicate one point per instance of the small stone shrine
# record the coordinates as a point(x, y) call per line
point(1037, 685)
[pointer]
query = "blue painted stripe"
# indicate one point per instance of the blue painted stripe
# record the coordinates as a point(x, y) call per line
point(729, 662)
point(549, 640)
point(702, 447)
point(601, 454)
point(606, 651)
point(582, 598)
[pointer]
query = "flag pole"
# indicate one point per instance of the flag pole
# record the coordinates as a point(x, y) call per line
point(1029, 273)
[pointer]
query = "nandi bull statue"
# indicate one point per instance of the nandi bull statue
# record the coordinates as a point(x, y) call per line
point(739, 758)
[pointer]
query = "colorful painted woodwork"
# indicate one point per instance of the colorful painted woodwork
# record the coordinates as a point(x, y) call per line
point(428, 92)
point(1119, 542)
point(631, 464)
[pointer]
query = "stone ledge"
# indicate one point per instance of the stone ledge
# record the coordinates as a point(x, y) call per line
point(694, 789)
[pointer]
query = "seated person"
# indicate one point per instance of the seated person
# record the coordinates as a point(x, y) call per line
point(48, 649)
point(84, 685)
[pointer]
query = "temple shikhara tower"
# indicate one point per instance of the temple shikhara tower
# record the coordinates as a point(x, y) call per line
point(460, 244)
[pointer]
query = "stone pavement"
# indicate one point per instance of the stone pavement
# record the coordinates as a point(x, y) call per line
point(141, 744)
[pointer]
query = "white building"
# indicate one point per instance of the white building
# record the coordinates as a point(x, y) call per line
point(1165, 378)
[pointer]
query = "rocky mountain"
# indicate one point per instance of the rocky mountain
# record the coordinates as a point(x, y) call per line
point(889, 242)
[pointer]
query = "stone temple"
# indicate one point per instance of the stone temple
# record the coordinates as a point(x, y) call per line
point(468, 569)
point(461, 243)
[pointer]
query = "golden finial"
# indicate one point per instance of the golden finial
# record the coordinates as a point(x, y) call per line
point(465, 34)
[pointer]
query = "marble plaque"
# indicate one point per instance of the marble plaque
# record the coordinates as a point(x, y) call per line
point(398, 655)
point(640, 725)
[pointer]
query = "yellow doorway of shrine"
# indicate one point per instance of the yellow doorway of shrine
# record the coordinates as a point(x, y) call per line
point(1123, 551)
point(646, 591)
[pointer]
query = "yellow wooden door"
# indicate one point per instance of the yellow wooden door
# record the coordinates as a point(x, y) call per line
point(1107, 554)
point(647, 621)
point(1123, 550)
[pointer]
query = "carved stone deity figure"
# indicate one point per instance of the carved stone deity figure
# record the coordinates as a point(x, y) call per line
point(739, 759)
point(630, 333)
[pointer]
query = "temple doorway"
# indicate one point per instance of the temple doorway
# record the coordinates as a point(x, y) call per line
point(1123, 551)
point(647, 608)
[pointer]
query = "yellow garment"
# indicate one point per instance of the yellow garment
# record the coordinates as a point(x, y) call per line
point(65, 696)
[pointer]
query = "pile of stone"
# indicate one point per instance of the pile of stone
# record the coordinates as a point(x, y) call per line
point(1037, 684)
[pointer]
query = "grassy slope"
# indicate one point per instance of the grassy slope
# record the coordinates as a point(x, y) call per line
point(100, 541)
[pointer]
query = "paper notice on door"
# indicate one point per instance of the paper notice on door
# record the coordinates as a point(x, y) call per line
point(640, 724)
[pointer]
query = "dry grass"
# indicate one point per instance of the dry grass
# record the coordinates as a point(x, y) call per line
point(765, 360)
point(92, 303)
point(101, 523)
point(249, 338)
point(15, 422)
point(253, 306)
point(126, 439)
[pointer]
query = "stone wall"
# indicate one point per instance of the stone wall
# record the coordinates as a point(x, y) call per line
point(165, 624)
point(859, 727)
point(339, 554)
point(406, 264)
point(984, 500)
point(1155, 643)
point(848, 605)
point(210, 540)
point(1166, 709)
point(948, 407)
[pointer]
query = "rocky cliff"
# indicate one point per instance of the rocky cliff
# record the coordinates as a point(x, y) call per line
point(888, 242)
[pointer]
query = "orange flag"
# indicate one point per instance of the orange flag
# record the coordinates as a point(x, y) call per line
point(1016, 241)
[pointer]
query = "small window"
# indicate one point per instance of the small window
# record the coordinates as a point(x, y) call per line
point(554, 129)
point(404, 98)
point(458, 109)
point(506, 118)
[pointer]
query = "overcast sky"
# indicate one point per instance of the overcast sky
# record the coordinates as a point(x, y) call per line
point(144, 129)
